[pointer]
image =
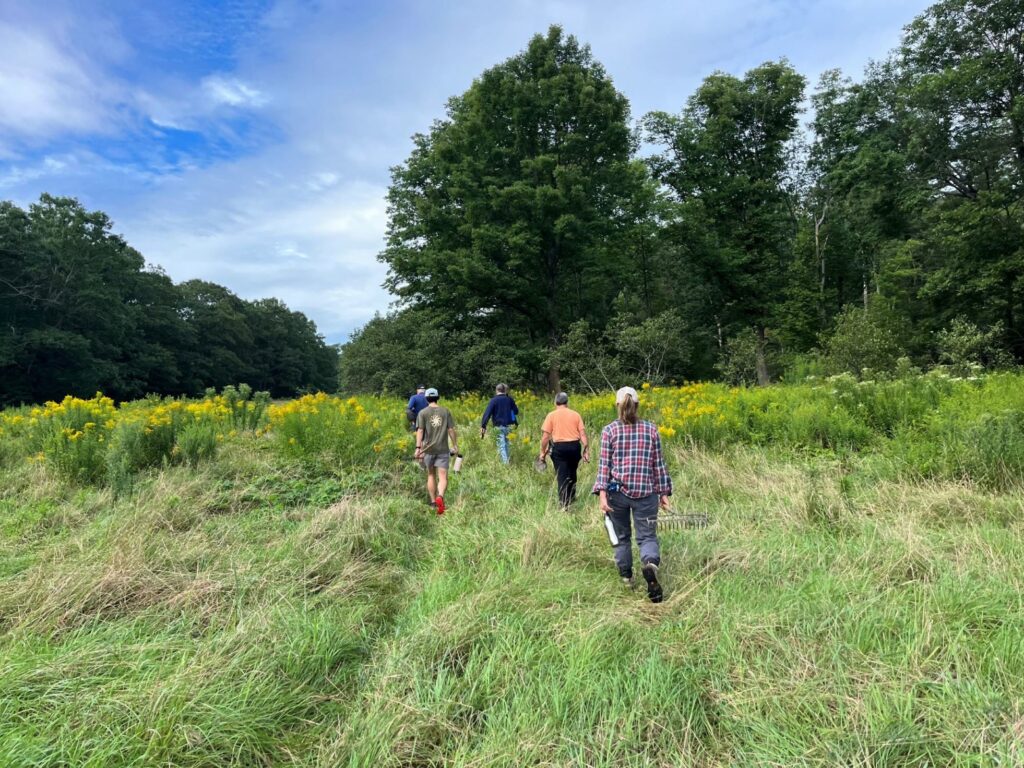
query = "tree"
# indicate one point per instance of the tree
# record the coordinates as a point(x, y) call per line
point(726, 160)
point(396, 352)
point(498, 217)
point(961, 87)
point(79, 312)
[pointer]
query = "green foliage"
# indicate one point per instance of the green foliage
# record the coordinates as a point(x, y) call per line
point(81, 313)
point(395, 353)
point(504, 213)
point(965, 347)
point(738, 361)
point(865, 341)
point(197, 443)
point(726, 160)
point(254, 610)
point(630, 349)
point(976, 434)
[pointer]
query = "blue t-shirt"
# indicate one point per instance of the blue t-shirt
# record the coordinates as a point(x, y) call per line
point(416, 404)
point(502, 410)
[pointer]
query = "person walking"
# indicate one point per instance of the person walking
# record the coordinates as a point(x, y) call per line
point(565, 436)
point(632, 479)
point(416, 404)
point(502, 411)
point(435, 426)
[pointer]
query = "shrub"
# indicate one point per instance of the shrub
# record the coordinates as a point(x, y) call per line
point(965, 347)
point(197, 442)
point(863, 339)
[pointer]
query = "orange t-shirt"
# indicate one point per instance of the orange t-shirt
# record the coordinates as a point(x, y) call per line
point(564, 425)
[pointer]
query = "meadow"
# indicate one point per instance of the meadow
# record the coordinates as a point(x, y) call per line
point(232, 581)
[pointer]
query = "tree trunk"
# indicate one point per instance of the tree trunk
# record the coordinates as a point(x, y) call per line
point(554, 374)
point(763, 379)
point(819, 253)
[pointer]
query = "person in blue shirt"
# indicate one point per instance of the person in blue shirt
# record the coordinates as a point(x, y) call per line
point(502, 411)
point(416, 404)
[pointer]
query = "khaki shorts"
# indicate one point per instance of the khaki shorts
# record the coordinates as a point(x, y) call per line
point(438, 460)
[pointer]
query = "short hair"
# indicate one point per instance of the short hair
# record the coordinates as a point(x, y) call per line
point(561, 398)
point(501, 389)
point(433, 398)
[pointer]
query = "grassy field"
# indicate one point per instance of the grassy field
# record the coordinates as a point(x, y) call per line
point(272, 588)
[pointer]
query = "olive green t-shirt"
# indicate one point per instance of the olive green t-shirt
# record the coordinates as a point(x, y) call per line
point(435, 421)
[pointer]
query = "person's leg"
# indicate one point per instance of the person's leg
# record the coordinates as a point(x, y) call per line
point(431, 484)
point(645, 517)
point(623, 551)
point(572, 463)
point(560, 460)
point(442, 480)
point(502, 440)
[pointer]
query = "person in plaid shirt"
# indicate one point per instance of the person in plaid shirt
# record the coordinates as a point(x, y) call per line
point(632, 479)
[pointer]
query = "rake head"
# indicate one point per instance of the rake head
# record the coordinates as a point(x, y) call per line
point(673, 520)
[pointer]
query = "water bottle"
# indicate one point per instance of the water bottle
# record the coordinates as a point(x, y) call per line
point(612, 537)
point(458, 462)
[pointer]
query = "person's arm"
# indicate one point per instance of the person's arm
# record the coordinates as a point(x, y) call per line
point(584, 442)
point(419, 441)
point(452, 435)
point(545, 441)
point(662, 480)
point(487, 416)
point(604, 471)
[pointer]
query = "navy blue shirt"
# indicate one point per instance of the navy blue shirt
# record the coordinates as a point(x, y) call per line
point(502, 410)
point(416, 403)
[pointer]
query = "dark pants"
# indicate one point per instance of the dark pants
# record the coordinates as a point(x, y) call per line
point(645, 519)
point(566, 458)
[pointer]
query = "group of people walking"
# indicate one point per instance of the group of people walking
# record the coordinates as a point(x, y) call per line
point(632, 481)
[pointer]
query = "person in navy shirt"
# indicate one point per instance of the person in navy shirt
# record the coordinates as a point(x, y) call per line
point(416, 404)
point(502, 410)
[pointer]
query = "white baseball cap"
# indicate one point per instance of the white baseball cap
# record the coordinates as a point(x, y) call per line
point(623, 393)
point(433, 393)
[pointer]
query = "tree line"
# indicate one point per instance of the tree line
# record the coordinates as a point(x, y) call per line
point(538, 235)
point(80, 312)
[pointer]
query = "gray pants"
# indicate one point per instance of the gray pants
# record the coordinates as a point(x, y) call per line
point(645, 518)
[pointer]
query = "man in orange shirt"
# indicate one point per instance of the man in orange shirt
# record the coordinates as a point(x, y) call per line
point(564, 434)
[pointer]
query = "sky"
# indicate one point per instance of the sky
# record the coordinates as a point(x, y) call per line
point(249, 142)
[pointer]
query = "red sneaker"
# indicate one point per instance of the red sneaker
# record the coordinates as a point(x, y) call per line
point(439, 503)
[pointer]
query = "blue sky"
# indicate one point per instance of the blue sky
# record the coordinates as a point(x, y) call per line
point(248, 142)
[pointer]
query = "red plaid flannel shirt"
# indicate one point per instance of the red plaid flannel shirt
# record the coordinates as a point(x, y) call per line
point(631, 454)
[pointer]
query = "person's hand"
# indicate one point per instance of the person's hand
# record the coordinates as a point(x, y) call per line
point(483, 431)
point(664, 502)
point(603, 504)
point(586, 455)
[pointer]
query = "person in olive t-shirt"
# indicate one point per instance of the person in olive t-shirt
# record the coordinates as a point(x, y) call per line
point(434, 426)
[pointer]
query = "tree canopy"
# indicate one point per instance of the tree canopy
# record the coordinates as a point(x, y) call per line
point(531, 217)
point(80, 312)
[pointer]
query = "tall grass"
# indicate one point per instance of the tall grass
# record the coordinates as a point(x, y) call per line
point(848, 604)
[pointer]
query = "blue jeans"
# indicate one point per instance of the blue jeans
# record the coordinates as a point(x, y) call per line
point(645, 520)
point(501, 438)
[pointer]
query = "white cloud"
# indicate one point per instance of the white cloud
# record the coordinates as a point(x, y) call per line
point(230, 91)
point(344, 86)
point(45, 90)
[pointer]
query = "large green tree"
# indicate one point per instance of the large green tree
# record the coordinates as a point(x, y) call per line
point(726, 158)
point(503, 213)
point(80, 312)
point(961, 87)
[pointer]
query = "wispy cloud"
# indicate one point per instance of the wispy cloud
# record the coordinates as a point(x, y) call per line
point(47, 91)
point(248, 141)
